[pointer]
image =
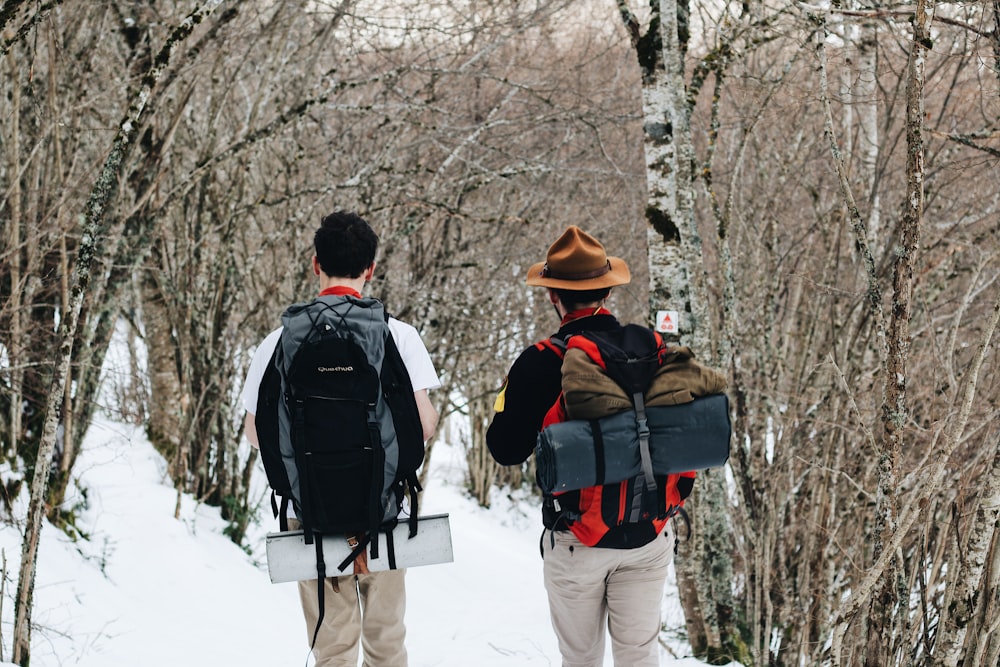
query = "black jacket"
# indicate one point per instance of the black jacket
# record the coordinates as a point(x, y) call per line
point(531, 388)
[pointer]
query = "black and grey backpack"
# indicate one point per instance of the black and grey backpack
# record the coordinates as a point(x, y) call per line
point(338, 426)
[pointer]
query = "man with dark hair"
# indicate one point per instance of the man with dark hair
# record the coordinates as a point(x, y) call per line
point(364, 609)
point(596, 570)
point(345, 245)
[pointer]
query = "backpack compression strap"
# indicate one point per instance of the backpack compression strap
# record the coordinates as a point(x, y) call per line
point(643, 428)
point(414, 485)
point(378, 462)
point(298, 415)
point(391, 547)
point(280, 513)
point(679, 511)
point(320, 583)
point(362, 544)
point(366, 539)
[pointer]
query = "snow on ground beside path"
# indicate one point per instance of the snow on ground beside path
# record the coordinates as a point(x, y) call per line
point(148, 590)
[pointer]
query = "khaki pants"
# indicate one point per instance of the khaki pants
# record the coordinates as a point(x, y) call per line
point(623, 588)
point(367, 611)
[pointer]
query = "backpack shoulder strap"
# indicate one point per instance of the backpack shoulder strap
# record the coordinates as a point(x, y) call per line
point(557, 344)
point(406, 418)
point(267, 423)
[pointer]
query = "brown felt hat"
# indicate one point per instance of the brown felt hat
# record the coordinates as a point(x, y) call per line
point(578, 261)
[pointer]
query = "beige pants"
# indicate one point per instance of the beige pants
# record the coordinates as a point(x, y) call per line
point(623, 588)
point(368, 611)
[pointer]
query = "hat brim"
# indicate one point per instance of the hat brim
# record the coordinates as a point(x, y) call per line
point(618, 275)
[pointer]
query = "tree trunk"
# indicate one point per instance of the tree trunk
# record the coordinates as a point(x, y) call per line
point(866, 100)
point(15, 253)
point(982, 642)
point(968, 603)
point(996, 39)
point(482, 468)
point(704, 567)
point(87, 258)
point(888, 609)
point(859, 88)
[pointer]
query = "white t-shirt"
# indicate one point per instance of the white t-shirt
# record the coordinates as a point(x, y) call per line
point(415, 357)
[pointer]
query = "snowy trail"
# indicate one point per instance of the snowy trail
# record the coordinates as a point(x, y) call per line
point(147, 590)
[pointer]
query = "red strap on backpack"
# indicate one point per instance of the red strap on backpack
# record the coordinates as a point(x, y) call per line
point(591, 524)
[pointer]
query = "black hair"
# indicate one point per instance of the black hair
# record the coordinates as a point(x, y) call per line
point(345, 244)
point(571, 299)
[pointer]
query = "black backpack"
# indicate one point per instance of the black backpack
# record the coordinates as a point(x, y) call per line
point(337, 422)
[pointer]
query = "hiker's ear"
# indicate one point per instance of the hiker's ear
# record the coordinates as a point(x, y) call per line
point(316, 267)
point(553, 297)
point(370, 272)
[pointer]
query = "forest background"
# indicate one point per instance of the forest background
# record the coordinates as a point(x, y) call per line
point(811, 186)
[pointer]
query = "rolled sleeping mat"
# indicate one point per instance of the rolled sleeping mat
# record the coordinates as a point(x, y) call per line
point(290, 558)
point(580, 453)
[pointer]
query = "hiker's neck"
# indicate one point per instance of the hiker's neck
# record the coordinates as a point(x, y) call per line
point(577, 310)
point(580, 313)
point(356, 284)
point(326, 282)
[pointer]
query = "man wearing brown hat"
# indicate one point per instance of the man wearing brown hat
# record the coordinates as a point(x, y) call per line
point(617, 579)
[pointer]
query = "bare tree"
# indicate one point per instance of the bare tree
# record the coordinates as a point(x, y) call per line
point(87, 259)
point(833, 246)
point(830, 320)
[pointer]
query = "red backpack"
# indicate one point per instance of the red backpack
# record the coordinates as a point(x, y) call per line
point(607, 377)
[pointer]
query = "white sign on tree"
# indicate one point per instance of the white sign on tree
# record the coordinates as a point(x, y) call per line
point(667, 321)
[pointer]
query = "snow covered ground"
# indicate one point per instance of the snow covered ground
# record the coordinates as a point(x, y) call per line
point(149, 590)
